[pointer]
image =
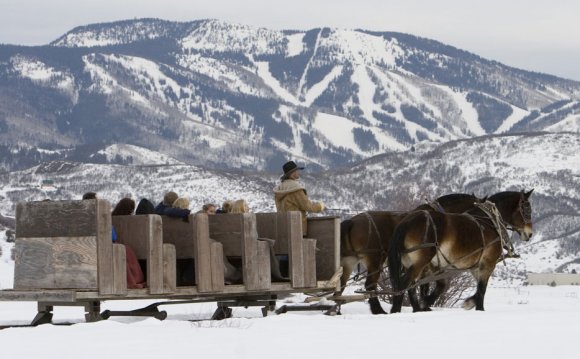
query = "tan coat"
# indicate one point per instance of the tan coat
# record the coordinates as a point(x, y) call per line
point(291, 196)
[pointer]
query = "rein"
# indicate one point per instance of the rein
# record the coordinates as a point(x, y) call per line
point(499, 225)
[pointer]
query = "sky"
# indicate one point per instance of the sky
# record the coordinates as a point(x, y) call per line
point(536, 35)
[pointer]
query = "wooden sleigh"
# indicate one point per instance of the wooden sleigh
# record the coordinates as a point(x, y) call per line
point(64, 256)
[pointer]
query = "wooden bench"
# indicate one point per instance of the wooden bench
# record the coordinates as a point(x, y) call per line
point(326, 230)
point(68, 244)
point(192, 242)
point(286, 229)
point(238, 235)
point(143, 233)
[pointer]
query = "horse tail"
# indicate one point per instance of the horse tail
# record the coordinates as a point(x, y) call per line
point(345, 227)
point(394, 255)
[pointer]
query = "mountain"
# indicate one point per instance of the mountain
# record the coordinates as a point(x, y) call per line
point(547, 162)
point(226, 96)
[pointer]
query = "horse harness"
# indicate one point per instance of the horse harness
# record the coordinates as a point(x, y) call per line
point(491, 213)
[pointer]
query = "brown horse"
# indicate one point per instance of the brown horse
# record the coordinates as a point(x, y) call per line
point(365, 238)
point(471, 241)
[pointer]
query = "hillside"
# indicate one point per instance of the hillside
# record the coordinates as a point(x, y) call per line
point(229, 96)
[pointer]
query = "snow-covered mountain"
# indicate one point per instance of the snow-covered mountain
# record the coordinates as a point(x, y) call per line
point(547, 162)
point(231, 96)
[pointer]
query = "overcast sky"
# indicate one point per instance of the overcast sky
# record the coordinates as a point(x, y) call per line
point(537, 35)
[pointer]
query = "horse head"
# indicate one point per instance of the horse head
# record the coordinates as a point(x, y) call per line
point(516, 210)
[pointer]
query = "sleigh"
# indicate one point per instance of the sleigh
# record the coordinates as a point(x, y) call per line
point(64, 256)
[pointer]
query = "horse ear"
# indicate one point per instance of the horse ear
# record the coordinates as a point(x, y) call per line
point(528, 194)
point(484, 199)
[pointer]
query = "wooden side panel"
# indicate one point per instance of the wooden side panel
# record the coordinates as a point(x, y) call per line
point(181, 234)
point(144, 235)
point(296, 255)
point(119, 269)
point(217, 267)
point(69, 262)
point(169, 268)
point(309, 255)
point(60, 296)
point(326, 231)
point(264, 268)
point(104, 247)
point(156, 260)
point(228, 230)
point(254, 257)
point(57, 219)
point(267, 225)
point(202, 248)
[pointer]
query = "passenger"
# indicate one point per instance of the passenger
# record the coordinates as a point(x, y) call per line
point(125, 207)
point(90, 195)
point(208, 208)
point(145, 207)
point(241, 206)
point(181, 202)
point(290, 194)
point(135, 276)
point(165, 208)
point(226, 207)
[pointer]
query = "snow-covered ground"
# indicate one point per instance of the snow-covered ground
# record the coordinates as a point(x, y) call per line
point(523, 322)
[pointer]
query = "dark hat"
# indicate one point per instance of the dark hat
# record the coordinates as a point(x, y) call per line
point(290, 167)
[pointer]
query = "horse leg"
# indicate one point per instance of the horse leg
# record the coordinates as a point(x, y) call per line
point(348, 264)
point(374, 270)
point(415, 303)
point(482, 276)
point(430, 299)
point(409, 277)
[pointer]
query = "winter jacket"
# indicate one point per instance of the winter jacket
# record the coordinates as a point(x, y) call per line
point(164, 210)
point(291, 195)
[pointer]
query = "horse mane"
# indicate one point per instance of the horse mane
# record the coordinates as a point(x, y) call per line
point(454, 197)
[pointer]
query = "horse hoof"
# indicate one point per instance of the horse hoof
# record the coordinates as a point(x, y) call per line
point(377, 311)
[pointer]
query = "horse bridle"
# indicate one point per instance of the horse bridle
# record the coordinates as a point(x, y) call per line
point(525, 209)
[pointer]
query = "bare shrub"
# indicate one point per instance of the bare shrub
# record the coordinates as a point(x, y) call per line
point(459, 287)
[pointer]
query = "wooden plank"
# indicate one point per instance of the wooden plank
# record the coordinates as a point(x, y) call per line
point(296, 255)
point(69, 262)
point(156, 261)
point(230, 291)
point(38, 295)
point(203, 269)
point(169, 269)
point(56, 219)
point(326, 230)
point(228, 230)
point(119, 269)
point(249, 253)
point(309, 255)
point(33, 267)
point(286, 224)
point(267, 225)
point(104, 247)
point(217, 267)
point(75, 262)
point(133, 231)
point(143, 234)
point(180, 233)
point(264, 268)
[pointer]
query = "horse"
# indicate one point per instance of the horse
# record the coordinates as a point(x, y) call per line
point(472, 241)
point(365, 238)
